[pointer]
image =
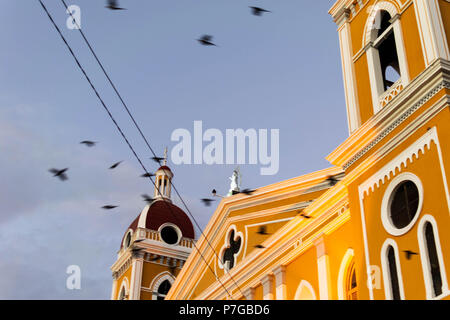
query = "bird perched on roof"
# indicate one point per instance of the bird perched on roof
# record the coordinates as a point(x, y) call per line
point(206, 40)
point(257, 11)
point(113, 5)
point(61, 174)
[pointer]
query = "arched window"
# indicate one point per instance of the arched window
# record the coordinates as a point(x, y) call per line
point(393, 273)
point(122, 294)
point(387, 50)
point(433, 260)
point(163, 289)
point(386, 56)
point(431, 256)
point(351, 289)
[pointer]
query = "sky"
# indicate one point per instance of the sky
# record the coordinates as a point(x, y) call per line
point(279, 71)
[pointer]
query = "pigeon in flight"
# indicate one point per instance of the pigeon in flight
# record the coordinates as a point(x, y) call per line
point(147, 175)
point(259, 246)
point(115, 165)
point(305, 216)
point(61, 174)
point(247, 192)
point(88, 143)
point(157, 159)
point(113, 5)
point(109, 207)
point(258, 11)
point(206, 40)
point(262, 231)
point(207, 202)
point(147, 198)
point(332, 180)
point(409, 253)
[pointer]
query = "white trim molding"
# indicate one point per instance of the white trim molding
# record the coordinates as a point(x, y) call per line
point(424, 256)
point(386, 270)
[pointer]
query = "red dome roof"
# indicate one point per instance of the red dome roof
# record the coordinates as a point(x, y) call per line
point(159, 213)
point(164, 168)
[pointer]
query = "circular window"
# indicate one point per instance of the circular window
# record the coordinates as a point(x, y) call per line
point(169, 235)
point(402, 203)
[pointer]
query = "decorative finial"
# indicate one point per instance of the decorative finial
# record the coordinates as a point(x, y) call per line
point(165, 157)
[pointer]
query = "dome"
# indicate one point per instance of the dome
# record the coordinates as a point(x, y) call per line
point(162, 212)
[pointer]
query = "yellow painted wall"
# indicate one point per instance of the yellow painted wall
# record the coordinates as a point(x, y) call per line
point(302, 268)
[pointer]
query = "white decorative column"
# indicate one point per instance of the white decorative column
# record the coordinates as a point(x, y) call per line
point(401, 52)
point(375, 75)
point(136, 277)
point(280, 283)
point(267, 283)
point(323, 266)
point(249, 294)
point(351, 98)
point(431, 30)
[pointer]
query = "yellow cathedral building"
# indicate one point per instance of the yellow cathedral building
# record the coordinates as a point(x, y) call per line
point(373, 226)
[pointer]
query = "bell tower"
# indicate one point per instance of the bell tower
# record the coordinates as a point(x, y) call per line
point(154, 247)
point(385, 46)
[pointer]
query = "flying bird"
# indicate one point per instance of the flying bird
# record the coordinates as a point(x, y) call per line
point(409, 253)
point(147, 198)
point(259, 246)
point(109, 207)
point(157, 159)
point(148, 175)
point(61, 174)
point(247, 192)
point(332, 180)
point(262, 230)
point(88, 143)
point(113, 5)
point(258, 11)
point(207, 202)
point(115, 165)
point(206, 40)
point(305, 216)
